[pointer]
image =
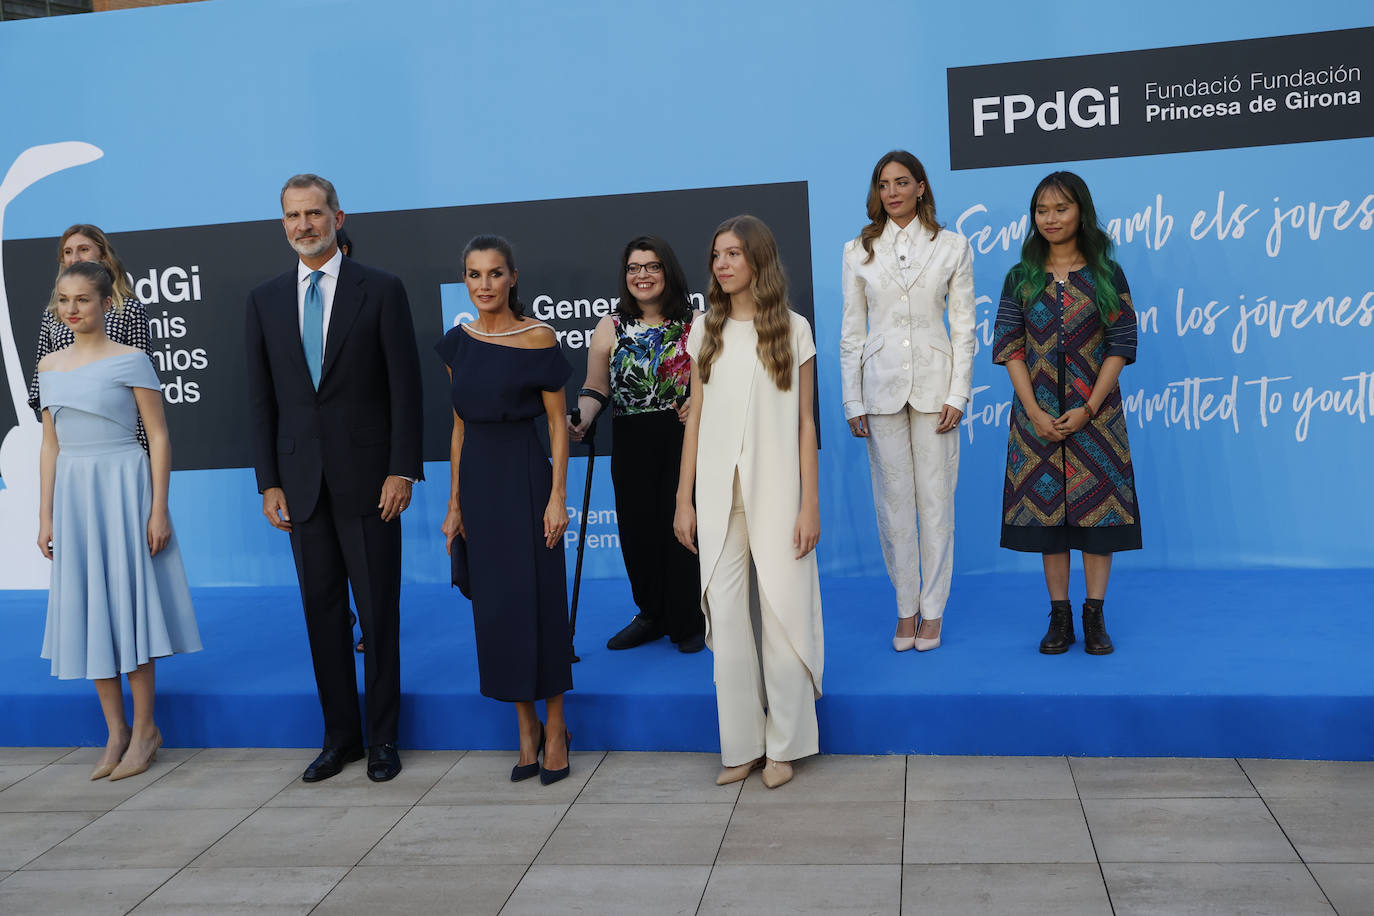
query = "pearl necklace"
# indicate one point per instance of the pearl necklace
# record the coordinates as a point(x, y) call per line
point(529, 327)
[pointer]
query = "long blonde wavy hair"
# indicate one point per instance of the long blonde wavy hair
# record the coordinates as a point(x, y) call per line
point(768, 284)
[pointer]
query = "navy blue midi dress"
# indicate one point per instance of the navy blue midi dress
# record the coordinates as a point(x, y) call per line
point(518, 586)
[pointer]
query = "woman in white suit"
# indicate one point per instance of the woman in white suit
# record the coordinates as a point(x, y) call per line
point(906, 382)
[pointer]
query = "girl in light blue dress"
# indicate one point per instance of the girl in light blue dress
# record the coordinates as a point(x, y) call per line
point(118, 598)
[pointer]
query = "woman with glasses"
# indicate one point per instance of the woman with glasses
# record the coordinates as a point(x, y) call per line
point(638, 363)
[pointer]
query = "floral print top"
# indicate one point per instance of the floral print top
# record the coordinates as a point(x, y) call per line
point(650, 368)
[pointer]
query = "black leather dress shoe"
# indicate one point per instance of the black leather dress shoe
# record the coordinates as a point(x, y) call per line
point(694, 643)
point(330, 762)
point(383, 762)
point(636, 633)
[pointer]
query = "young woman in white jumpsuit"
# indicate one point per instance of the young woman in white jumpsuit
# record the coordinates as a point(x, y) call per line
point(749, 455)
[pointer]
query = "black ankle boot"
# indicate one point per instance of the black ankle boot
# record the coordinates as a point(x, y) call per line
point(1095, 638)
point(1060, 634)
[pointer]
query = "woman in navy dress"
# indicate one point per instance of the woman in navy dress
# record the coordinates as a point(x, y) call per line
point(509, 506)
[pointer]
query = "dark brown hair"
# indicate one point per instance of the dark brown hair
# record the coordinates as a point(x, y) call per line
point(877, 214)
point(675, 305)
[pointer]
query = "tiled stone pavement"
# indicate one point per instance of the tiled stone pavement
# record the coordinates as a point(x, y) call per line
point(235, 831)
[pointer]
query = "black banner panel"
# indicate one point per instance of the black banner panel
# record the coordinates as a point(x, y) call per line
point(195, 282)
point(1257, 92)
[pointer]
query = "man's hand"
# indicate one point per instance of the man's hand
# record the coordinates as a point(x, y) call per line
point(274, 507)
point(395, 497)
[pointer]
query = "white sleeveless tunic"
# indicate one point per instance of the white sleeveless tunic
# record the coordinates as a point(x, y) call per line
point(749, 426)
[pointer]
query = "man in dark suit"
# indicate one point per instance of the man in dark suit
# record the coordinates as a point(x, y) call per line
point(335, 386)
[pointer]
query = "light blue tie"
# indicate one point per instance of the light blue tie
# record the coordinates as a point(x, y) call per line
point(312, 327)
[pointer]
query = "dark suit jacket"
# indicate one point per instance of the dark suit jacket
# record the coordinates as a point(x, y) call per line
point(364, 421)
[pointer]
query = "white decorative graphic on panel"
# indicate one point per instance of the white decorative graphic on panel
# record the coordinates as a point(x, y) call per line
point(19, 557)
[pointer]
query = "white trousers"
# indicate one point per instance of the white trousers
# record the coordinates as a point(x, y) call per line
point(787, 730)
point(915, 470)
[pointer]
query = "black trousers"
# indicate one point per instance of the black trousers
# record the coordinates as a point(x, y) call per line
point(334, 550)
point(646, 454)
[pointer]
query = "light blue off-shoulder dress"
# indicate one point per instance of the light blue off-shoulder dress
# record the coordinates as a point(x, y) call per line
point(111, 605)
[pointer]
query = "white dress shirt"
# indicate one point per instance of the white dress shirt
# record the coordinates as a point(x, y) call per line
point(903, 248)
point(327, 284)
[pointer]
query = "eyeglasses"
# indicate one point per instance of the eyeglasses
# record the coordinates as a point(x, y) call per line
point(653, 267)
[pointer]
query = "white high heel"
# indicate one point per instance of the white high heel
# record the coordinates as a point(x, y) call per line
point(903, 643)
point(925, 645)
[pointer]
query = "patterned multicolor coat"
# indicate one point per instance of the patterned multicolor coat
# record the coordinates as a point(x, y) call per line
point(1086, 480)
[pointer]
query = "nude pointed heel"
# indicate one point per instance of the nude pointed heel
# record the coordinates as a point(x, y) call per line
point(124, 772)
point(925, 645)
point(776, 773)
point(904, 643)
point(737, 773)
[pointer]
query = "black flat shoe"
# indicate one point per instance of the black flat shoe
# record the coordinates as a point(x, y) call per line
point(519, 773)
point(636, 633)
point(694, 643)
point(330, 762)
point(383, 762)
point(549, 777)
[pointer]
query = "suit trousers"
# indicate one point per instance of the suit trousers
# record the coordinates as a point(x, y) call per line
point(787, 730)
point(665, 577)
point(915, 470)
point(333, 550)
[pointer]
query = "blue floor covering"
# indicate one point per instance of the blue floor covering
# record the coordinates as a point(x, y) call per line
point(1208, 664)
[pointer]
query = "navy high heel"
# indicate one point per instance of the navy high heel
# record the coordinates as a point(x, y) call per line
point(520, 773)
point(549, 777)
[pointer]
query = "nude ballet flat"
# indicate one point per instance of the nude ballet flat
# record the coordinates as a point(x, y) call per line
point(737, 773)
point(776, 773)
point(124, 772)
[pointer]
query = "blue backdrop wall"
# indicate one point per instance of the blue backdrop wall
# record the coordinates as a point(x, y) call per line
point(200, 111)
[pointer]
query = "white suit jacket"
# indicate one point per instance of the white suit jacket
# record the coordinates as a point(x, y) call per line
point(894, 349)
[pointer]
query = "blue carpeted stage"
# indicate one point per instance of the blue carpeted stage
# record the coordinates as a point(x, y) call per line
point(1208, 664)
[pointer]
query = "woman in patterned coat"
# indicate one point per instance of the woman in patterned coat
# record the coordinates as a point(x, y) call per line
point(126, 323)
point(638, 363)
point(1065, 330)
